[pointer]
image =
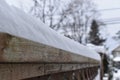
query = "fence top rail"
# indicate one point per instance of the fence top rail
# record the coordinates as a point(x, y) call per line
point(22, 25)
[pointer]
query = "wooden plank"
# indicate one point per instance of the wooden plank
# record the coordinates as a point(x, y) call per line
point(23, 71)
point(20, 71)
point(14, 49)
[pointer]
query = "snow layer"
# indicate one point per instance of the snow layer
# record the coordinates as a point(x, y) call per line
point(116, 75)
point(99, 49)
point(116, 59)
point(17, 23)
point(111, 44)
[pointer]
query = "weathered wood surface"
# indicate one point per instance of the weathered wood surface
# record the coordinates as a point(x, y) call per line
point(79, 74)
point(21, 58)
point(14, 49)
point(24, 71)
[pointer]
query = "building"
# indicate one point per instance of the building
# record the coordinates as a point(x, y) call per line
point(116, 51)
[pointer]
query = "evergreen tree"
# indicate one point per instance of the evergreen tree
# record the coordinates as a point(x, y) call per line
point(94, 35)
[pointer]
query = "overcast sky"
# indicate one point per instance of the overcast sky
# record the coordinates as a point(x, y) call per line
point(108, 4)
point(110, 14)
point(111, 29)
point(101, 5)
point(24, 4)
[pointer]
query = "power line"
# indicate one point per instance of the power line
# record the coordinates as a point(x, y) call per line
point(108, 9)
point(112, 23)
point(117, 21)
point(111, 19)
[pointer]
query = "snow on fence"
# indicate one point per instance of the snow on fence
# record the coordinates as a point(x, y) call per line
point(17, 23)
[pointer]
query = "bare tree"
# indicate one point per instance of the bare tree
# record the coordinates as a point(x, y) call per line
point(80, 14)
point(46, 10)
point(73, 18)
point(39, 9)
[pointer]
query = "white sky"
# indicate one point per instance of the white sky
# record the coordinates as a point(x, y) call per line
point(109, 14)
point(24, 4)
point(101, 4)
point(108, 4)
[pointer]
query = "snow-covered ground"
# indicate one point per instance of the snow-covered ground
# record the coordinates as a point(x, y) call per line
point(98, 76)
point(116, 68)
point(105, 78)
point(116, 75)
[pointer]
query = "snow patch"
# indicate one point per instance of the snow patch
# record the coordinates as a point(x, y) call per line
point(99, 49)
point(116, 59)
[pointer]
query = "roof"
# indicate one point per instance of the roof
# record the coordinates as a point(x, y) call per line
point(117, 48)
point(17, 23)
point(112, 44)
